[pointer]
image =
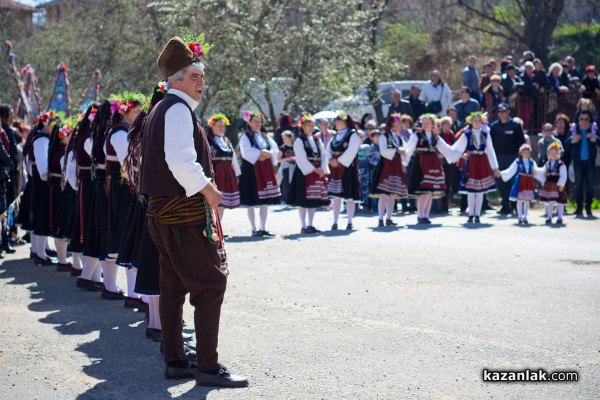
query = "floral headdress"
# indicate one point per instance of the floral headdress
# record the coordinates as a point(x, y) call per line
point(432, 117)
point(196, 43)
point(49, 117)
point(67, 127)
point(249, 114)
point(397, 117)
point(306, 118)
point(126, 102)
point(218, 117)
point(92, 114)
point(524, 146)
point(342, 116)
point(162, 87)
point(483, 116)
point(555, 146)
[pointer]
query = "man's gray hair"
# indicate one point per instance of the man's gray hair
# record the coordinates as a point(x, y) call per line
point(180, 75)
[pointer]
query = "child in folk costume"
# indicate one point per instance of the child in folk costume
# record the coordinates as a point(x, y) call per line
point(553, 191)
point(258, 184)
point(389, 178)
point(36, 152)
point(308, 189)
point(479, 166)
point(426, 176)
point(287, 164)
point(344, 181)
point(523, 189)
point(225, 163)
point(61, 202)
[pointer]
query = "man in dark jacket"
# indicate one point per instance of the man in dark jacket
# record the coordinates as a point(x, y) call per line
point(400, 106)
point(417, 105)
point(582, 146)
point(507, 137)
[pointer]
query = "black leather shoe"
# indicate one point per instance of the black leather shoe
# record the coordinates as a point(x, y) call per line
point(8, 249)
point(181, 373)
point(75, 272)
point(143, 307)
point(266, 233)
point(349, 227)
point(64, 267)
point(157, 335)
point(470, 220)
point(389, 222)
point(89, 285)
point(132, 302)
point(312, 229)
point(51, 253)
point(334, 227)
point(46, 263)
point(256, 234)
point(477, 221)
point(223, 378)
point(191, 355)
point(108, 295)
point(149, 332)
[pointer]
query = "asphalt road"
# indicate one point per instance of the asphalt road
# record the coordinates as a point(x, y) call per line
point(378, 313)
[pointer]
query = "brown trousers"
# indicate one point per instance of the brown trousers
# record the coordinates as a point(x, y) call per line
point(189, 264)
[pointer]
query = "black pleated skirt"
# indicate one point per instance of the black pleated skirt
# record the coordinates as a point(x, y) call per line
point(66, 213)
point(130, 245)
point(25, 214)
point(96, 229)
point(83, 205)
point(118, 207)
point(41, 206)
point(147, 281)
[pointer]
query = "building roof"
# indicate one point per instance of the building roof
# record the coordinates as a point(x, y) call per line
point(13, 5)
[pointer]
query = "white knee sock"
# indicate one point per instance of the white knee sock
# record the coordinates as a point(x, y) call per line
point(153, 314)
point(252, 218)
point(428, 203)
point(350, 207)
point(90, 265)
point(61, 250)
point(302, 213)
point(525, 209)
point(471, 204)
point(381, 204)
point(550, 209)
point(131, 275)
point(311, 216)
point(48, 244)
point(264, 212)
point(478, 204)
point(77, 262)
point(109, 270)
point(34, 242)
point(337, 208)
point(520, 209)
point(390, 207)
point(560, 209)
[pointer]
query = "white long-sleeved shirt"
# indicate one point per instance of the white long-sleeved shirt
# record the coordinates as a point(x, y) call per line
point(180, 153)
point(251, 154)
point(87, 146)
point(389, 153)
point(302, 161)
point(349, 154)
point(120, 143)
point(71, 170)
point(411, 145)
point(508, 173)
point(221, 142)
point(431, 93)
point(562, 174)
point(40, 152)
point(454, 153)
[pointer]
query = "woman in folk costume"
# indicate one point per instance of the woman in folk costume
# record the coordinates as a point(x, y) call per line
point(61, 204)
point(479, 166)
point(308, 189)
point(91, 276)
point(523, 189)
point(426, 179)
point(258, 184)
point(137, 249)
point(225, 163)
point(125, 108)
point(389, 178)
point(553, 191)
point(344, 180)
point(38, 209)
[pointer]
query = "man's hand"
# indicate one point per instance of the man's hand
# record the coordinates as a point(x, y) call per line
point(561, 188)
point(576, 138)
point(212, 195)
point(497, 173)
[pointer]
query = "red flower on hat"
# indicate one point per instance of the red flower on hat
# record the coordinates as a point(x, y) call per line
point(196, 49)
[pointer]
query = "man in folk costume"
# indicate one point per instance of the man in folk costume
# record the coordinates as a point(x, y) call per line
point(176, 174)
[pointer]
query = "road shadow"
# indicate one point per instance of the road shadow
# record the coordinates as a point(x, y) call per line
point(126, 363)
point(472, 225)
point(242, 239)
point(423, 227)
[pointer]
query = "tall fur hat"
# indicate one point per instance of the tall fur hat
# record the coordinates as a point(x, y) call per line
point(174, 57)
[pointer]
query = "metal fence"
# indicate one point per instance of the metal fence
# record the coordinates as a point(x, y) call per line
point(535, 112)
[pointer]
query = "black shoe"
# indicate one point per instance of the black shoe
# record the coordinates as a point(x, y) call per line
point(504, 211)
point(149, 332)
point(389, 222)
point(420, 220)
point(559, 221)
point(45, 263)
point(75, 272)
point(380, 224)
point(108, 295)
point(588, 212)
point(132, 302)
point(191, 354)
point(188, 337)
point(579, 212)
point(89, 285)
point(470, 220)
point(525, 221)
point(312, 229)
point(64, 267)
point(303, 231)
point(334, 227)
point(188, 372)
point(222, 378)
point(256, 234)
point(143, 307)
point(477, 221)
point(26, 237)
point(426, 221)
point(521, 222)
point(549, 221)
point(349, 227)
point(19, 242)
point(2, 255)
point(51, 253)
point(8, 249)
point(266, 233)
